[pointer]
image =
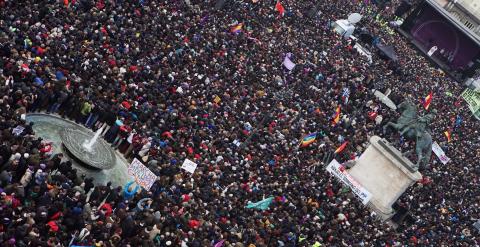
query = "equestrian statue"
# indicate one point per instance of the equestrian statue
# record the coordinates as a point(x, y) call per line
point(414, 127)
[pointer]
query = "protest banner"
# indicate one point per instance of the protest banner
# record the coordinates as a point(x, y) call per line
point(472, 98)
point(338, 171)
point(440, 153)
point(189, 166)
point(143, 176)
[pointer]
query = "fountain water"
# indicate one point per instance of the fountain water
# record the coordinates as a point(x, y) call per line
point(89, 144)
point(90, 151)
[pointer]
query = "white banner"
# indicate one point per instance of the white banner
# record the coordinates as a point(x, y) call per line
point(338, 171)
point(440, 153)
point(143, 176)
point(189, 166)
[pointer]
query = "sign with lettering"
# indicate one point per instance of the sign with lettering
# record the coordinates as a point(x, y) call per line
point(338, 171)
point(189, 166)
point(143, 176)
point(440, 153)
point(472, 98)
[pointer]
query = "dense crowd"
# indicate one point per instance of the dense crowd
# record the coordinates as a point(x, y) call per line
point(168, 80)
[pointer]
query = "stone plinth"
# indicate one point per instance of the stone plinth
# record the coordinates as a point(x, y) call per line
point(385, 173)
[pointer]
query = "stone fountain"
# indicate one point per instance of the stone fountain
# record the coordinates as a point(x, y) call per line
point(89, 153)
point(87, 150)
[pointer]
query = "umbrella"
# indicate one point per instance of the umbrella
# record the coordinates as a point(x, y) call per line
point(384, 99)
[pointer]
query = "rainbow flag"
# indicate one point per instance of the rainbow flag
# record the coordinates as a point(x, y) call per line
point(448, 135)
point(427, 101)
point(341, 148)
point(237, 28)
point(309, 139)
point(336, 117)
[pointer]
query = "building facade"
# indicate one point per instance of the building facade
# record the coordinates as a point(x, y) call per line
point(466, 12)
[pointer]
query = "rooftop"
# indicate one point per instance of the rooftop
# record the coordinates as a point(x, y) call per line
point(465, 14)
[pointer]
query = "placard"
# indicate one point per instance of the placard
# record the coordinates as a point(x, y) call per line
point(189, 166)
point(143, 176)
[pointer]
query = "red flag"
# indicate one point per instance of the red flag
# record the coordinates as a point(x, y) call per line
point(280, 8)
point(341, 148)
point(67, 85)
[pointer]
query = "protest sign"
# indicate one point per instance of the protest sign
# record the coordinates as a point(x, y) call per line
point(143, 176)
point(440, 153)
point(189, 166)
point(338, 171)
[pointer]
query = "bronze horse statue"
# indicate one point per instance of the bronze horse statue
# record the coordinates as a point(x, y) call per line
point(414, 127)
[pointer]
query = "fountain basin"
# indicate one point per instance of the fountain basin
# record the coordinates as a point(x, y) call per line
point(99, 157)
point(48, 127)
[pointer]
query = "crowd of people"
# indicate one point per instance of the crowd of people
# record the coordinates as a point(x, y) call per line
point(169, 80)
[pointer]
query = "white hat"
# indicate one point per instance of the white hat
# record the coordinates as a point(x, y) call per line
point(168, 243)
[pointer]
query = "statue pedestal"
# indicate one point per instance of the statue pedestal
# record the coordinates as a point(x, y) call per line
point(385, 173)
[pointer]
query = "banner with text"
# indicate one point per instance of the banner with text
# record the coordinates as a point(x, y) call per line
point(440, 153)
point(338, 171)
point(143, 176)
point(472, 98)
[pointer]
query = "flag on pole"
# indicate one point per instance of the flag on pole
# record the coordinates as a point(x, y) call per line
point(219, 243)
point(458, 121)
point(345, 95)
point(280, 8)
point(341, 148)
point(309, 139)
point(261, 205)
point(336, 117)
point(448, 135)
point(427, 101)
point(237, 28)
